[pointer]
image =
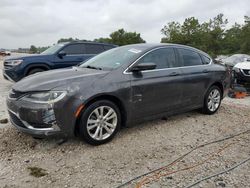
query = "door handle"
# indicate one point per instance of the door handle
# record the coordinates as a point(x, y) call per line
point(174, 74)
point(205, 71)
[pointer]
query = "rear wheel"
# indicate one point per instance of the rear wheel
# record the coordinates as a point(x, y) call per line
point(212, 100)
point(36, 70)
point(100, 122)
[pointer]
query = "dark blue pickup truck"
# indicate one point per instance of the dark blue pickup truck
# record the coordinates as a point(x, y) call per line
point(58, 56)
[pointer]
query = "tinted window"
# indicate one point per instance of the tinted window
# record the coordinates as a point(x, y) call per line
point(206, 59)
point(94, 48)
point(189, 58)
point(74, 49)
point(107, 47)
point(163, 58)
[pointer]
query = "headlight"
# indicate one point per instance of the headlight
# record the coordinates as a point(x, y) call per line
point(45, 97)
point(15, 62)
point(236, 69)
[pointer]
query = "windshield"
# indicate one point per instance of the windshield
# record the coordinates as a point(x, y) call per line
point(113, 58)
point(52, 49)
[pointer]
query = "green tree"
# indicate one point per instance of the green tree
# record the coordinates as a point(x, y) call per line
point(207, 36)
point(173, 34)
point(103, 40)
point(231, 41)
point(67, 40)
point(33, 49)
point(122, 37)
point(245, 36)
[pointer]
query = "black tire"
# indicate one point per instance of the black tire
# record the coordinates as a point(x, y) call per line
point(89, 112)
point(206, 109)
point(35, 70)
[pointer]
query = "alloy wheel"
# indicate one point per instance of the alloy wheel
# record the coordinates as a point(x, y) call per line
point(214, 99)
point(102, 122)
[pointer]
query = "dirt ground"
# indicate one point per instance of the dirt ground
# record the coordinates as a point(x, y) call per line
point(25, 162)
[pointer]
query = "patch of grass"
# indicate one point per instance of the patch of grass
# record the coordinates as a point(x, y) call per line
point(37, 172)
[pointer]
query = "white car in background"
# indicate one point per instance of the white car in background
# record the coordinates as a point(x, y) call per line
point(4, 52)
point(232, 60)
point(241, 72)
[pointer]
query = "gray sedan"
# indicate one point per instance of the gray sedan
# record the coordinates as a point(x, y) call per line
point(119, 87)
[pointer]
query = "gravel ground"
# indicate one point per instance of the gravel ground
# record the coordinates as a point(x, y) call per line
point(25, 162)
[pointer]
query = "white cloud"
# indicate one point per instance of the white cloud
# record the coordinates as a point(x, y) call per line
point(42, 23)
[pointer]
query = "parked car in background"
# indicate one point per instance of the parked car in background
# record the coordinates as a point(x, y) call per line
point(231, 61)
point(58, 56)
point(4, 52)
point(241, 72)
point(220, 58)
point(122, 86)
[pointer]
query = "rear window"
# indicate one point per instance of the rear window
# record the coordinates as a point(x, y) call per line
point(108, 47)
point(189, 57)
point(93, 48)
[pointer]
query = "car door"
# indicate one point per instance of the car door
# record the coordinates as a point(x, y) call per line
point(159, 90)
point(74, 55)
point(197, 75)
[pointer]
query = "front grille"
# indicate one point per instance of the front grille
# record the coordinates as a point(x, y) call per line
point(247, 72)
point(13, 94)
point(16, 120)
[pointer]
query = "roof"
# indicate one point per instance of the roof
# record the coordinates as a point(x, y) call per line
point(150, 46)
point(86, 42)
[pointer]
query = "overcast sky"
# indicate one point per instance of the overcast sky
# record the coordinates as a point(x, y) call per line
point(43, 22)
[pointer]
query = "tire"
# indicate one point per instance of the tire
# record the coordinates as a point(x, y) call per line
point(35, 70)
point(212, 100)
point(94, 129)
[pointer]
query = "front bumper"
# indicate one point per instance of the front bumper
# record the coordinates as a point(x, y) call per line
point(43, 119)
point(241, 77)
point(11, 75)
point(25, 127)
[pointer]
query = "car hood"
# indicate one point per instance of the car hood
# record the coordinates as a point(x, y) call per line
point(243, 65)
point(49, 80)
point(28, 57)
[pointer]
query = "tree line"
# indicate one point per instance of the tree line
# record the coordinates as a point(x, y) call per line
point(213, 36)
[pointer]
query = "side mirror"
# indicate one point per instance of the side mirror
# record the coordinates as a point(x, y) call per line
point(142, 67)
point(61, 54)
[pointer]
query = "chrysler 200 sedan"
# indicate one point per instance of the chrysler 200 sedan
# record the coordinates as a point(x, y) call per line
point(119, 87)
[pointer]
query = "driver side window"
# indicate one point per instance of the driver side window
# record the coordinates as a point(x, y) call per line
point(163, 58)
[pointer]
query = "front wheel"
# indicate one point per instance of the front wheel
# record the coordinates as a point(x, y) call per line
point(100, 122)
point(212, 100)
point(36, 70)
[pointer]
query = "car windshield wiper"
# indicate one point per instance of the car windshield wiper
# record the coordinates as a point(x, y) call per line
point(92, 67)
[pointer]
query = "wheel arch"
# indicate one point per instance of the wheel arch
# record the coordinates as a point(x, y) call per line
point(36, 66)
point(220, 85)
point(108, 97)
